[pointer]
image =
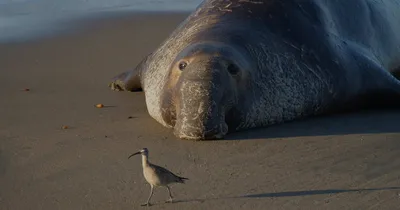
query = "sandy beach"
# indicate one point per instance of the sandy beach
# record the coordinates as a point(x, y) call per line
point(349, 161)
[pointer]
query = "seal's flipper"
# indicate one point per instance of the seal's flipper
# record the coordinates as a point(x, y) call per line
point(127, 81)
point(130, 80)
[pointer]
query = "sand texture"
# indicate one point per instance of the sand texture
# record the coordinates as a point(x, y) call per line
point(341, 162)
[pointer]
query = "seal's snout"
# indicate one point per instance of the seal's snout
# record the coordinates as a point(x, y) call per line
point(201, 111)
point(201, 107)
point(206, 89)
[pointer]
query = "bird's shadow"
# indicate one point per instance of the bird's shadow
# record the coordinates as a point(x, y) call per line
point(291, 194)
point(361, 122)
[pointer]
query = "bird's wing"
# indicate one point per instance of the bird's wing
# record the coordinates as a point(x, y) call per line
point(160, 170)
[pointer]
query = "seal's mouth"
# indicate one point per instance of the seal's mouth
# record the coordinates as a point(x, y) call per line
point(218, 131)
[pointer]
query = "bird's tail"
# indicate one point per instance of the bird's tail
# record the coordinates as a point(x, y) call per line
point(182, 179)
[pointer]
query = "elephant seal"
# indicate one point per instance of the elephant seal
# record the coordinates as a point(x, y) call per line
point(240, 64)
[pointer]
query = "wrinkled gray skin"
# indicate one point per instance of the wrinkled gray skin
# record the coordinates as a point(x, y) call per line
point(257, 63)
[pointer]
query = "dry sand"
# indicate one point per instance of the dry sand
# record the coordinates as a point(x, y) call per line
point(340, 162)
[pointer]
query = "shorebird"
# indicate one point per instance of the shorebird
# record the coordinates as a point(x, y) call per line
point(157, 176)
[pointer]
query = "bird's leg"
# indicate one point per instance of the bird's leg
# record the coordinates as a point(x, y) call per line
point(170, 200)
point(148, 200)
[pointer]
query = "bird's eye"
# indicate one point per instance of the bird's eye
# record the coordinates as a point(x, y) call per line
point(182, 65)
point(233, 69)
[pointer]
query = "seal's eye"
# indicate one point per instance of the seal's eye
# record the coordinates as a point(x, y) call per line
point(233, 69)
point(182, 65)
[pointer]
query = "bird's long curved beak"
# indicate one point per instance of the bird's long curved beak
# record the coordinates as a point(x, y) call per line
point(134, 154)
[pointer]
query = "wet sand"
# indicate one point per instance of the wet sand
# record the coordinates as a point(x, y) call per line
point(347, 161)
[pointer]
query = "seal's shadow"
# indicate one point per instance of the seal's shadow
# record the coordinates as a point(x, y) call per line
point(293, 194)
point(315, 192)
point(362, 122)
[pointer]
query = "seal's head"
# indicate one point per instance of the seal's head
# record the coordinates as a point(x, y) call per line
point(204, 87)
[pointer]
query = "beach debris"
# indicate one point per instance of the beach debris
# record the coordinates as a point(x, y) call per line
point(65, 127)
point(157, 176)
point(26, 89)
point(130, 117)
point(99, 105)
